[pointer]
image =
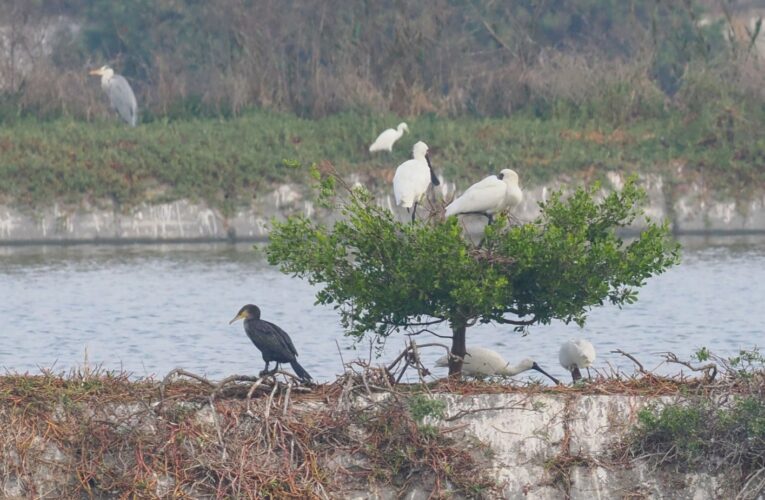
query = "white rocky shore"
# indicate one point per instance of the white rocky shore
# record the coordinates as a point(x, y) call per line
point(690, 208)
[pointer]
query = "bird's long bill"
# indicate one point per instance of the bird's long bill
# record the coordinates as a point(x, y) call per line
point(540, 370)
point(433, 177)
point(96, 72)
point(236, 318)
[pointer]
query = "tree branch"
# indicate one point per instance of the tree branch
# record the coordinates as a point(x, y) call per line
point(517, 322)
point(407, 324)
point(428, 330)
point(709, 369)
point(630, 356)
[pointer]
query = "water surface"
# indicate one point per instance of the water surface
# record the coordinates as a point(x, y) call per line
point(151, 308)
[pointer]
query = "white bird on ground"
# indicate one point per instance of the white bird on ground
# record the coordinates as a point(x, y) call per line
point(489, 196)
point(412, 178)
point(575, 355)
point(483, 362)
point(388, 137)
point(121, 96)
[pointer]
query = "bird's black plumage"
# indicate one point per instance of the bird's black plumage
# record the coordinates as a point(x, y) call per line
point(273, 342)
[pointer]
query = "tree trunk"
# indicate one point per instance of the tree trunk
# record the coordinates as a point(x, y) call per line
point(458, 349)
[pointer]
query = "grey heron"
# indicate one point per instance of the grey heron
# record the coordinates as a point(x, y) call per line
point(388, 137)
point(576, 354)
point(413, 177)
point(483, 362)
point(120, 94)
point(489, 196)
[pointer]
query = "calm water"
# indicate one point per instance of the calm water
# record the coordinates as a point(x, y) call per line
point(149, 309)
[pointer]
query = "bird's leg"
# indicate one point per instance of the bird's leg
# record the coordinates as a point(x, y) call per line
point(588, 373)
point(490, 217)
point(414, 211)
point(576, 374)
point(264, 372)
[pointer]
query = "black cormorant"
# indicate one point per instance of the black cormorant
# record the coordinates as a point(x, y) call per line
point(271, 340)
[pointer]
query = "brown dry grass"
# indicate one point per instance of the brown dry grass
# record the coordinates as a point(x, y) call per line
point(103, 434)
point(97, 433)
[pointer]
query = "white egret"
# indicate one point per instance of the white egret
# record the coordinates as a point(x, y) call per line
point(489, 196)
point(576, 354)
point(483, 362)
point(413, 177)
point(388, 137)
point(121, 96)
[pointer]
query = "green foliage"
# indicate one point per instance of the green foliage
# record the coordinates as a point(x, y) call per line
point(702, 354)
point(720, 427)
point(702, 430)
point(679, 425)
point(421, 406)
point(384, 275)
point(747, 362)
point(226, 162)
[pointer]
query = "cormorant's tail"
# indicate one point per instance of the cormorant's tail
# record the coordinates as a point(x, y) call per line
point(300, 371)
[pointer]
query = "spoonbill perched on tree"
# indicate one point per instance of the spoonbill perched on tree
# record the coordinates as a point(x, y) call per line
point(121, 96)
point(576, 354)
point(489, 196)
point(412, 178)
point(483, 362)
point(388, 137)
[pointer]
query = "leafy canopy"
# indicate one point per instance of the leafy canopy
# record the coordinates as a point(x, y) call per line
point(384, 274)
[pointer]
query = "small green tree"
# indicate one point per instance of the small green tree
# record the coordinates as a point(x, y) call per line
point(385, 275)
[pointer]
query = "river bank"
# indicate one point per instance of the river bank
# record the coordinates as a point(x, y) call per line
point(690, 208)
point(205, 179)
point(97, 434)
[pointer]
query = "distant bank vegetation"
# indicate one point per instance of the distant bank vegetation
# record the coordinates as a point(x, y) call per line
point(230, 89)
point(612, 60)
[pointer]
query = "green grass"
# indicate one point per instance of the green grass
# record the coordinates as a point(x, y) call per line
point(226, 162)
point(721, 427)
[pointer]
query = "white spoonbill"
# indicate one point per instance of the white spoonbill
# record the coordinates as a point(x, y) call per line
point(489, 196)
point(413, 177)
point(121, 96)
point(388, 137)
point(483, 362)
point(576, 354)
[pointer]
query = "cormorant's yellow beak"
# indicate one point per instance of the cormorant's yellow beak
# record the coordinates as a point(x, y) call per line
point(96, 72)
point(238, 317)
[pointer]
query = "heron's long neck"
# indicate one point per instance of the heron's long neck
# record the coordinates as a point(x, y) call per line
point(105, 78)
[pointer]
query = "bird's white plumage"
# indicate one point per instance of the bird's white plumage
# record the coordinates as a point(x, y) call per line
point(412, 177)
point(489, 196)
point(576, 353)
point(121, 95)
point(388, 137)
point(483, 362)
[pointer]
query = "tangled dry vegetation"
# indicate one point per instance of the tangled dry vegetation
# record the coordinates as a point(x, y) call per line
point(93, 433)
point(718, 425)
point(99, 433)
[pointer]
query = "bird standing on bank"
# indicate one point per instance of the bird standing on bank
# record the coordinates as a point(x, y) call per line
point(412, 178)
point(483, 362)
point(272, 341)
point(489, 196)
point(388, 137)
point(121, 96)
point(575, 355)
